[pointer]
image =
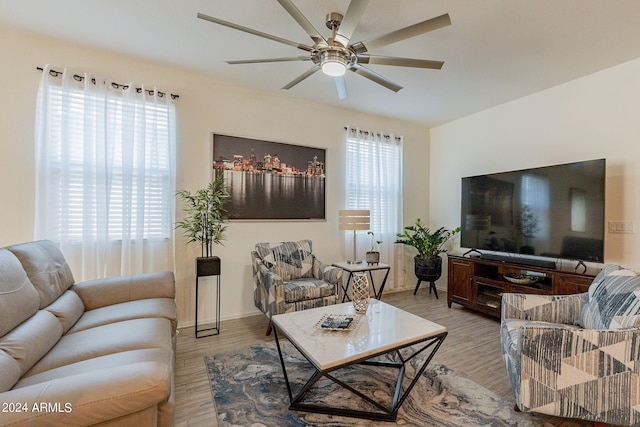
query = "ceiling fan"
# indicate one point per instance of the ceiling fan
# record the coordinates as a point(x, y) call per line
point(336, 54)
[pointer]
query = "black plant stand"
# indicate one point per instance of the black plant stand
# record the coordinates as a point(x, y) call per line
point(432, 285)
point(429, 270)
point(208, 266)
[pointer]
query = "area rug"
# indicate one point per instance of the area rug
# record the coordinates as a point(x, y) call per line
point(249, 390)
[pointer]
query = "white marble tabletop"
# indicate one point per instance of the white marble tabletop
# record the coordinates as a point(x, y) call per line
point(361, 266)
point(383, 329)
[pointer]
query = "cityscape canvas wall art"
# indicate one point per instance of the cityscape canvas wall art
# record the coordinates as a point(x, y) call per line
point(271, 180)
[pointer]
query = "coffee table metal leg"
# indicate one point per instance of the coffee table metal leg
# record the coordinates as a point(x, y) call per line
point(385, 414)
point(310, 382)
point(284, 370)
point(437, 342)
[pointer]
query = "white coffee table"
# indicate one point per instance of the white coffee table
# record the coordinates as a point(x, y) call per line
point(384, 329)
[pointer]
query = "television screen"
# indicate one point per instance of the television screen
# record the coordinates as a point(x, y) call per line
point(553, 211)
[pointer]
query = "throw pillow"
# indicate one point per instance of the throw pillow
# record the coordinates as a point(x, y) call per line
point(613, 301)
point(289, 260)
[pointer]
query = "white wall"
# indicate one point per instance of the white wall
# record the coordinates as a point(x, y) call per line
point(597, 116)
point(205, 105)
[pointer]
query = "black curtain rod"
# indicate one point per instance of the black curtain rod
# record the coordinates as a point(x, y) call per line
point(79, 78)
point(366, 132)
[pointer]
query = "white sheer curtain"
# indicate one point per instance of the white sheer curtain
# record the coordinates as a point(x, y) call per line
point(373, 180)
point(105, 174)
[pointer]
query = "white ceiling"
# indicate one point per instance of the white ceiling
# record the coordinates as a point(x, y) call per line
point(494, 51)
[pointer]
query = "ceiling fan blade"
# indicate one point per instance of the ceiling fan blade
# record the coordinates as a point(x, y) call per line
point(400, 62)
point(403, 33)
point(260, 61)
point(301, 77)
point(254, 32)
point(350, 21)
point(375, 77)
point(302, 21)
point(341, 86)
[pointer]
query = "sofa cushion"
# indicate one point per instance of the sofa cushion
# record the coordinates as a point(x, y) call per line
point(98, 364)
point(289, 260)
point(102, 397)
point(67, 308)
point(290, 307)
point(613, 301)
point(46, 268)
point(18, 298)
point(98, 293)
point(9, 372)
point(307, 288)
point(107, 339)
point(32, 339)
point(145, 308)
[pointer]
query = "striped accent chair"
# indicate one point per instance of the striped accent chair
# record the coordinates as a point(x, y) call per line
point(577, 356)
point(288, 277)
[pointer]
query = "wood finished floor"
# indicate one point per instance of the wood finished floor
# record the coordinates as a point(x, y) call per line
point(472, 348)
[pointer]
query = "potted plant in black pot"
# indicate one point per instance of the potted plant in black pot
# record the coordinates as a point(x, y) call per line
point(430, 244)
point(205, 222)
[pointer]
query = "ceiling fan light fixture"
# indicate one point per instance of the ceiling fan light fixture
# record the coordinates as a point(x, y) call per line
point(333, 63)
point(334, 68)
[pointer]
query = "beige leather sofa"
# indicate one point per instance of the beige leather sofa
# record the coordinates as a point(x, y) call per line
point(99, 352)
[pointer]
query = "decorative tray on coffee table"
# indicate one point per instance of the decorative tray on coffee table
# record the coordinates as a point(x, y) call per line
point(338, 322)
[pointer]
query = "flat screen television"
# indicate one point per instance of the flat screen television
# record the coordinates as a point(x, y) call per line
point(554, 211)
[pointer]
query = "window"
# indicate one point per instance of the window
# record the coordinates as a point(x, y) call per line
point(105, 163)
point(373, 180)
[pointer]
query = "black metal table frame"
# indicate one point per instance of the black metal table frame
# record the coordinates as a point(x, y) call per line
point(385, 414)
point(377, 294)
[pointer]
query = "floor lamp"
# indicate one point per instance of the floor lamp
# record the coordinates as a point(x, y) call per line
point(354, 219)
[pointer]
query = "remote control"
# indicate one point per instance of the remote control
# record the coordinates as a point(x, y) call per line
point(345, 323)
point(328, 322)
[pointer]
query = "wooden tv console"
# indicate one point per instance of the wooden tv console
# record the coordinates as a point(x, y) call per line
point(478, 283)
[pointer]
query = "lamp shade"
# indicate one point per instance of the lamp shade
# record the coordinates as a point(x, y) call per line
point(354, 219)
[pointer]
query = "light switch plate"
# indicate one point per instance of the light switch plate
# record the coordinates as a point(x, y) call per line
point(621, 227)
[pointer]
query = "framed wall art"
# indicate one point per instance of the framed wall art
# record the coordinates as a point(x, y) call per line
point(271, 180)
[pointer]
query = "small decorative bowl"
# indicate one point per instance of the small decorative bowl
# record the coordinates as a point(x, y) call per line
point(520, 279)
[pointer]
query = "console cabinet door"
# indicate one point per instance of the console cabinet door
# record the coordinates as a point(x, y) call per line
point(459, 280)
point(568, 284)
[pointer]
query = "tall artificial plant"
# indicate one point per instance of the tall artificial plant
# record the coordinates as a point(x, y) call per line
point(205, 217)
point(428, 243)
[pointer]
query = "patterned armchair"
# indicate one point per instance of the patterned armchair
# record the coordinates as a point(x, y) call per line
point(577, 356)
point(288, 277)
